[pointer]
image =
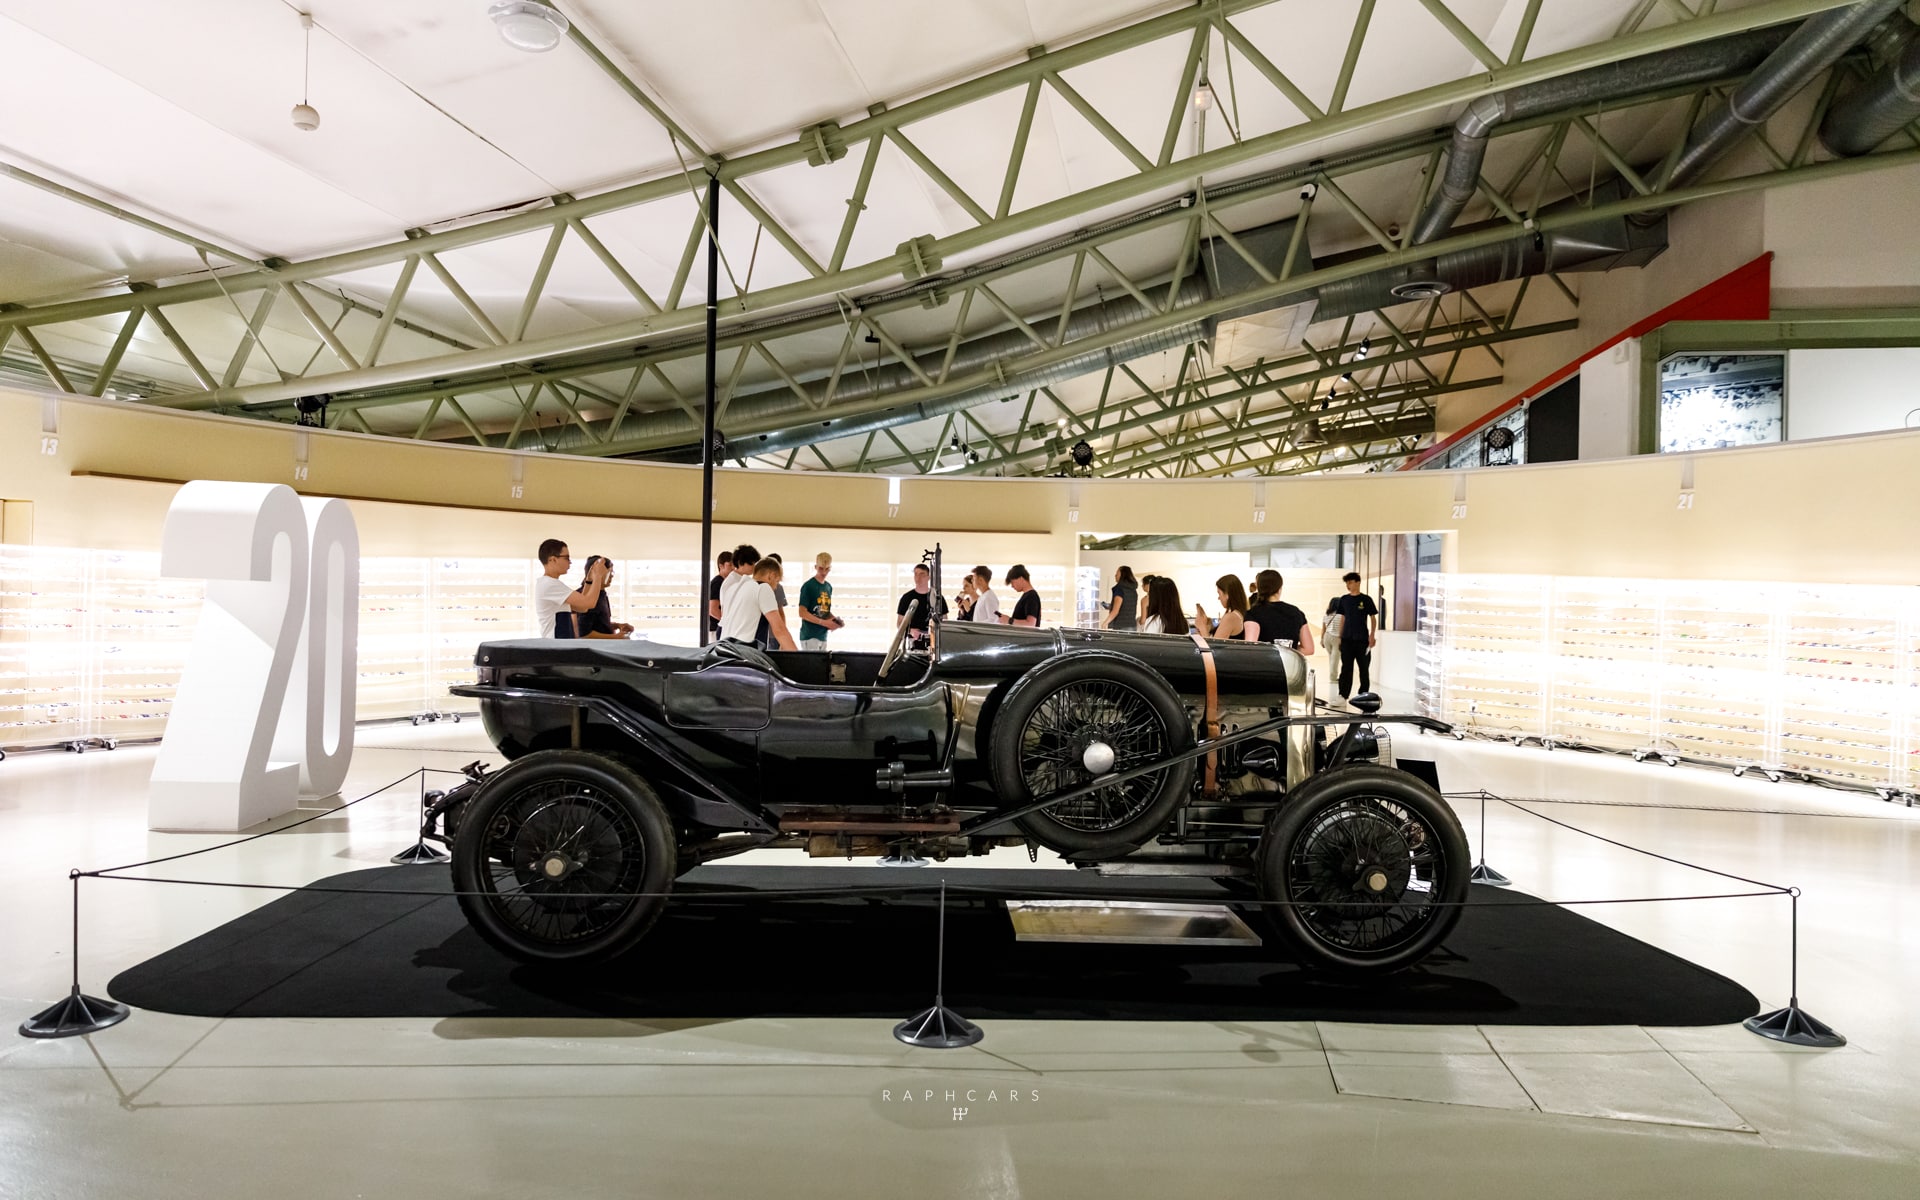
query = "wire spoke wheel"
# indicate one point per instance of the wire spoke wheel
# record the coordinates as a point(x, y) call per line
point(1079, 717)
point(565, 856)
point(570, 868)
point(1054, 743)
point(1363, 874)
point(1368, 866)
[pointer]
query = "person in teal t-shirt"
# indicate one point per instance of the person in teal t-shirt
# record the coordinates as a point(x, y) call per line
point(816, 606)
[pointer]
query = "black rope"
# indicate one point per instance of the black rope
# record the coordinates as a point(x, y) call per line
point(1778, 889)
point(254, 837)
point(878, 891)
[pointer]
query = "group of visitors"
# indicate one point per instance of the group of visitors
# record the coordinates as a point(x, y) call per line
point(978, 603)
point(747, 600)
point(1255, 614)
point(582, 612)
point(756, 613)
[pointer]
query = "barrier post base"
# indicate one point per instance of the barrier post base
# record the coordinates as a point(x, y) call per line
point(938, 1028)
point(1795, 1027)
point(419, 852)
point(1482, 873)
point(76, 1015)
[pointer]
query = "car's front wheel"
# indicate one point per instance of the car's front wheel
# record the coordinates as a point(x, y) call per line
point(1364, 868)
point(564, 856)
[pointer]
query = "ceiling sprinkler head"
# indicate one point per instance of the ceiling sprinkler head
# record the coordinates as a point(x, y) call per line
point(528, 24)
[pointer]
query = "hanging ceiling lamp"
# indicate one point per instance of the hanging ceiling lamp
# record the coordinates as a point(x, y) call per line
point(528, 24)
point(305, 116)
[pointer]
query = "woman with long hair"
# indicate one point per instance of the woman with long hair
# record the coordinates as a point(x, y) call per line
point(595, 622)
point(1124, 601)
point(1163, 608)
point(1272, 619)
point(1233, 610)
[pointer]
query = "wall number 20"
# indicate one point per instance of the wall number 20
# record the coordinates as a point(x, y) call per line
point(265, 708)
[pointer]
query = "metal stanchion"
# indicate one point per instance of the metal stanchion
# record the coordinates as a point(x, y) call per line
point(1482, 873)
point(939, 1027)
point(79, 1013)
point(1792, 1024)
point(420, 851)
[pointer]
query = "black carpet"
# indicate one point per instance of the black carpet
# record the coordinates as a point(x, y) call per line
point(313, 954)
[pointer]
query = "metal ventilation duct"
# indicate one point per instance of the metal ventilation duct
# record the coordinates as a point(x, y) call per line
point(1880, 107)
point(1816, 45)
point(1699, 63)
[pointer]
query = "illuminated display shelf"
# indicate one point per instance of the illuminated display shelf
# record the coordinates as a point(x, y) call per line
point(1824, 680)
point(394, 638)
point(472, 600)
point(664, 599)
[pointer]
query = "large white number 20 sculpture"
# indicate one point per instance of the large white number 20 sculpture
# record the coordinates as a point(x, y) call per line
point(283, 584)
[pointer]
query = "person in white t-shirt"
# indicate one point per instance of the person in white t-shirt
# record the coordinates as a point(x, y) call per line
point(552, 596)
point(745, 558)
point(986, 606)
point(740, 617)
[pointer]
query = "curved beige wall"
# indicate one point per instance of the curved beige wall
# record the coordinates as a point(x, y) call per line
point(1846, 510)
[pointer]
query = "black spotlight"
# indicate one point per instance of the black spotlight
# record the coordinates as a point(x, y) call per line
point(1082, 454)
point(313, 409)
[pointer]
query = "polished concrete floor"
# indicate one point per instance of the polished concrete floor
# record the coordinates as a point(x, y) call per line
point(166, 1106)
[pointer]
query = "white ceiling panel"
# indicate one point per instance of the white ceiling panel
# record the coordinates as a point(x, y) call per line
point(64, 109)
point(556, 114)
point(742, 72)
point(1408, 49)
point(374, 129)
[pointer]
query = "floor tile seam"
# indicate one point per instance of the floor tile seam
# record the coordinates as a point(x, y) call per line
point(1749, 1127)
point(1514, 1075)
point(1751, 1124)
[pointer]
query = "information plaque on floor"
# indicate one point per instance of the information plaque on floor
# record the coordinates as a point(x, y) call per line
point(1128, 923)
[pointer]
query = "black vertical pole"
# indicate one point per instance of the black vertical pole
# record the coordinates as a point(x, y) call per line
point(706, 442)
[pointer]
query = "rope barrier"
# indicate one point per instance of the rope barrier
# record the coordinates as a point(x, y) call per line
point(79, 1013)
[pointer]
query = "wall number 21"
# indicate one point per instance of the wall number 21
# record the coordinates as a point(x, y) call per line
point(265, 708)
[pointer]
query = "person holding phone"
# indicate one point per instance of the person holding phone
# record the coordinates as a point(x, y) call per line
point(1233, 611)
point(551, 595)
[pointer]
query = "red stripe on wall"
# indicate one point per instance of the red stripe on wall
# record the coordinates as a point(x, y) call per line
point(1742, 294)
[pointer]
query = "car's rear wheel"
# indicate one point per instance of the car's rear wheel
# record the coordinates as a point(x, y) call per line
point(1077, 712)
point(564, 856)
point(1367, 866)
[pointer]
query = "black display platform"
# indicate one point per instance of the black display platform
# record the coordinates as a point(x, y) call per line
point(315, 954)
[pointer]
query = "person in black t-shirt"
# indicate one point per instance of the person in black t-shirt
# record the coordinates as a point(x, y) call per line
point(1273, 619)
point(917, 605)
point(724, 564)
point(1357, 616)
point(1026, 610)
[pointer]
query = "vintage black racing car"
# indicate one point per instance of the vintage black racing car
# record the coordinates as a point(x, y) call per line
point(631, 762)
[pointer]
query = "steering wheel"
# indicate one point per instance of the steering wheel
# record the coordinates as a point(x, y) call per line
point(895, 648)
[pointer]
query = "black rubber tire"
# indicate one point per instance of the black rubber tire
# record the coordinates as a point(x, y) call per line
point(1007, 747)
point(633, 821)
point(1368, 795)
